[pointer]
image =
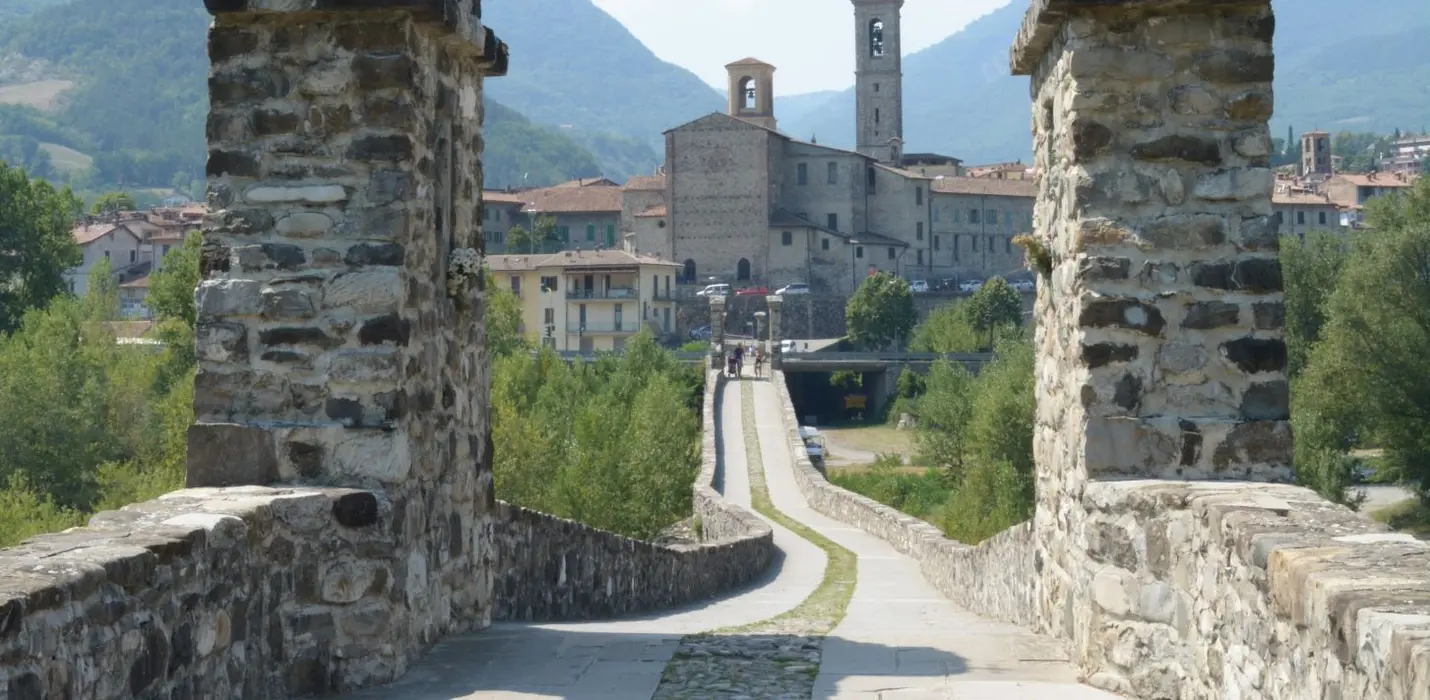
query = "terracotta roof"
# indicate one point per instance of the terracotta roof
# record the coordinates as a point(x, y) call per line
point(85, 235)
point(645, 183)
point(653, 212)
point(1302, 198)
point(1381, 180)
point(573, 258)
point(565, 200)
point(141, 283)
point(494, 197)
point(588, 182)
point(985, 186)
point(748, 62)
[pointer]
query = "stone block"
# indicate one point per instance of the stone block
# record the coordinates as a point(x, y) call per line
point(230, 455)
point(228, 297)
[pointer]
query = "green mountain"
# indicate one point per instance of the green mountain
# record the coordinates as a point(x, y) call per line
point(1361, 69)
point(114, 94)
point(574, 65)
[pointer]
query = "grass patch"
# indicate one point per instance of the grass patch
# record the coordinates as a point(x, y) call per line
point(1411, 517)
point(41, 94)
point(67, 159)
point(877, 439)
point(825, 607)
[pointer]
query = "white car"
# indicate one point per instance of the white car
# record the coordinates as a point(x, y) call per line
point(1025, 286)
point(919, 287)
point(813, 443)
point(714, 290)
point(971, 286)
point(796, 288)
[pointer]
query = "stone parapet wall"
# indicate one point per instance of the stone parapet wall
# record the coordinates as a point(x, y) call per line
point(997, 578)
point(243, 592)
point(549, 568)
point(1248, 590)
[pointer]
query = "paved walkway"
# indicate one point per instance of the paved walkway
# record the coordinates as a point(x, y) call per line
point(617, 660)
point(901, 640)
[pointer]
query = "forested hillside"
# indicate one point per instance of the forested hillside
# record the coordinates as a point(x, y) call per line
point(1366, 70)
point(114, 94)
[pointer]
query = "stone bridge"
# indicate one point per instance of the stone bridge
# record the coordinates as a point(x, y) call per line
point(341, 521)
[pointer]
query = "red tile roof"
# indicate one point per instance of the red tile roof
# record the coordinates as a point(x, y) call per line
point(653, 212)
point(85, 235)
point(572, 200)
point(645, 183)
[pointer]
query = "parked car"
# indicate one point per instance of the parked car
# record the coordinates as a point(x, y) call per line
point(813, 444)
point(971, 286)
point(1026, 286)
point(702, 333)
point(919, 287)
point(947, 284)
point(714, 290)
point(753, 292)
point(796, 288)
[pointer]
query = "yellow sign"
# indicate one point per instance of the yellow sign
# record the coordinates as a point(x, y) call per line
point(855, 401)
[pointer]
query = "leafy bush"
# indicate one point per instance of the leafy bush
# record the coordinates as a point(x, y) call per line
point(613, 444)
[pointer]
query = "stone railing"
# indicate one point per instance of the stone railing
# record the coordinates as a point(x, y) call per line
point(554, 569)
point(1233, 589)
point(998, 578)
point(250, 591)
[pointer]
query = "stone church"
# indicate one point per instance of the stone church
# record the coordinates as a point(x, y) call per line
point(738, 201)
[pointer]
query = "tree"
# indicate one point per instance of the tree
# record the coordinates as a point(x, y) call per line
point(881, 312)
point(546, 234)
point(1311, 269)
point(171, 289)
point(1368, 379)
point(995, 305)
point(946, 330)
point(36, 243)
point(944, 411)
point(520, 240)
point(502, 320)
point(112, 202)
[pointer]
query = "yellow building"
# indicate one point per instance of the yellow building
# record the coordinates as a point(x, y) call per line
point(589, 300)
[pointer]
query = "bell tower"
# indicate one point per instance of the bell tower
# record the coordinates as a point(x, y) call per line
point(752, 92)
point(879, 78)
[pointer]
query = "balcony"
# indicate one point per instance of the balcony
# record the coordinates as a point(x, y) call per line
point(604, 327)
point(612, 294)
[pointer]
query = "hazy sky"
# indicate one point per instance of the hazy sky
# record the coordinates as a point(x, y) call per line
point(810, 42)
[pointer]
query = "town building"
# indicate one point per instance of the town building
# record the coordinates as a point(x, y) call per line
point(737, 201)
point(589, 300)
point(134, 243)
point(1409, 155)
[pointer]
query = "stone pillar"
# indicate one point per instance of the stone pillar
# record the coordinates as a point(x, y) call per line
point(344, 169)
point(777, 308)
point(1159, 337)
point(717, 332)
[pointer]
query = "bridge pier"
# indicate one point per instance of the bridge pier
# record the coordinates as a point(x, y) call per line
point(1159, 335)
point(334, 346)
point(777, 308)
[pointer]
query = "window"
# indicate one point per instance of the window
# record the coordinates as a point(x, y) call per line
point(516, 285)
point(565, 233)
point(610, 235)
point(496, 213)
point(550, 316)
point(992, 217)
point(581, 314)
point(618, 316)
point(870, 177)
point(957, 216)
point(1008, 245)
point(590, 232)
point(655, 285)
point(859, 251)
point(548, 284)
point(936, 242)
point(166, 249)
point(876, 115)
point(1300, 218)
point(833, 222)
point(1322, 217)
point(876, 87)
point(787, 238)
point(974, 242)
point(134, 253)
point(973, 216)
point(1280, 217)
point(747, 88)
point(833, 173)
point(742, 270)
point(876, 38)
point(921, 257)
point(802, 173)
point(990, 244)
point(891, 253)
point(918, 196)
point(824, 244)
point(935, 214)
point(919, 228)
point(106, 255)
